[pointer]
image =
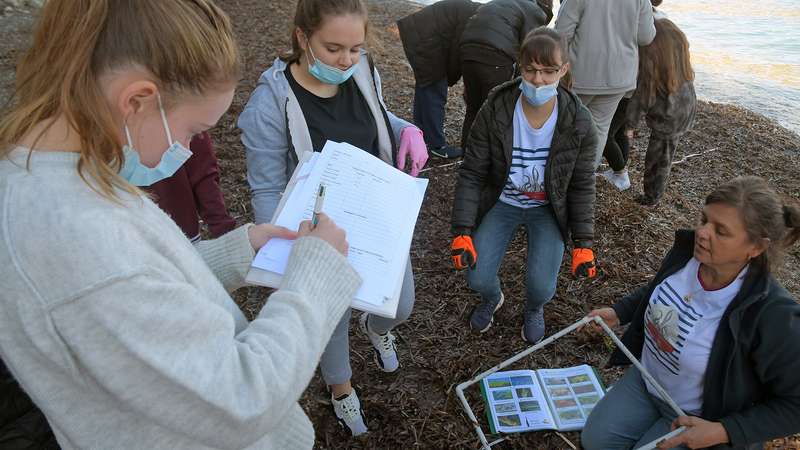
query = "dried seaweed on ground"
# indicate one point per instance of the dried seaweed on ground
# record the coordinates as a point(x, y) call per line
point(416, 407)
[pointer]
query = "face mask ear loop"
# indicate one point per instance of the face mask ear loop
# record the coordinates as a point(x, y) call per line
point(128, 135)
point(164, 119)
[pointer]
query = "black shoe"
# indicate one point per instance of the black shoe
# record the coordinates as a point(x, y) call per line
point(446, 152)
point(646, 200)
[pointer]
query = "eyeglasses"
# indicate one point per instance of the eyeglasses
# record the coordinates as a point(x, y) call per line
point(547, 72)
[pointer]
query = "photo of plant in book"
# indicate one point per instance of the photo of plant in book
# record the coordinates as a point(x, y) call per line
point(564, 403)
point(529, 405)
point(499, 383)
point(509, 421)
point(521, 380)
point(579, 379)
point(554, 381)
point(505, 407)
point(589, 399)
point(503, 395)
point(571, 414)
point(560, 392)
point(584, 389)
point(524, 392)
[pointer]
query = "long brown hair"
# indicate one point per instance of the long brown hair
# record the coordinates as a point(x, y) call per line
point(541, 46)
point(764, 213)
point(187, 45)
point(310, 14)
point(664, 65)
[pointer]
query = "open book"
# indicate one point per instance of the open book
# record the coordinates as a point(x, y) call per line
point(376, 204)
point(544, 399)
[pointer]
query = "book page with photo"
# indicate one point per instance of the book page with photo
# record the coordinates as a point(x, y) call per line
point(571, 393)
point(515, 402)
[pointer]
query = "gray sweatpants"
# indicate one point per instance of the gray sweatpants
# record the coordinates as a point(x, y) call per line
point(602, 108)
point(335, 362)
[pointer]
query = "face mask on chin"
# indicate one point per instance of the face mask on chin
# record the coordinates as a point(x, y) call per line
point(325, 73)
point(138, 174)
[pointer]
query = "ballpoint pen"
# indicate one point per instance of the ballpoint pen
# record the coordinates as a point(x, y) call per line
point(318, 205)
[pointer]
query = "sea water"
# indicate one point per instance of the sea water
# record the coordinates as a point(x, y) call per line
point(744, 52)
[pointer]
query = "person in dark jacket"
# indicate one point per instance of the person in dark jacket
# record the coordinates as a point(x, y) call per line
point(490, 45)
point(430, 39)
point(715, 330)
point(529, 163)
point(193, 193)
point(665, 96)
point(22, 425)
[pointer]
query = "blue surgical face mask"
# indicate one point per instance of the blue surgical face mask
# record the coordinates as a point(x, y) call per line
point(538, 96)
point(138, 174)
point(328, 74)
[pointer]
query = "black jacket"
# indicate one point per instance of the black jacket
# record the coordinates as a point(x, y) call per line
point(502, 25)
point(752, 383)
point(569, 172)
point(430, 39)
point(22, 425)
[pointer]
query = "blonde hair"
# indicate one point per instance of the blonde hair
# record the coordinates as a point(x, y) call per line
point(187, 45)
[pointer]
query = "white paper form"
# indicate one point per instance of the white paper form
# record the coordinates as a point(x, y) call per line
point(276, 253)
point(374, 203)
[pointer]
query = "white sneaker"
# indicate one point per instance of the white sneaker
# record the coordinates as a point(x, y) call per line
point(385, 351)
point(620, 180)
point(348, 411)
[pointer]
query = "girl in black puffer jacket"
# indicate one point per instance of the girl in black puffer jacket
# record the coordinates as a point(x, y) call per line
point(529, 162)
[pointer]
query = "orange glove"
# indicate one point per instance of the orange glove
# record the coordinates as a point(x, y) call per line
point(463, 252)
point(583, 263)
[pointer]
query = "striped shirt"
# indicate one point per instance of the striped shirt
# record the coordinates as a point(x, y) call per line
point(681, 321)
point(531, 147)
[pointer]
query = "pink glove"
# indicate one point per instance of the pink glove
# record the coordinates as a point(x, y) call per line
point(413, 146)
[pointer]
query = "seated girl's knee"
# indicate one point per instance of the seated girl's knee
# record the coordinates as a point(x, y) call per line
point(591, 437)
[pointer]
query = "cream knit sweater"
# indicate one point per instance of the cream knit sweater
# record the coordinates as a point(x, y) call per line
point(125, 334)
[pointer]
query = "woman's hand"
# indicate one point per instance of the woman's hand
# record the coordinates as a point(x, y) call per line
point(629, 133)
point(326, 230)
point(608, 315)
point(260, 234)
point(412, 146)
point(700, 433)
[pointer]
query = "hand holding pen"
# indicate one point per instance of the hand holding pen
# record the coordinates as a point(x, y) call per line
point(321, 226)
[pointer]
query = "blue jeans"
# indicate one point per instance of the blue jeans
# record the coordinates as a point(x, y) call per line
point(627, 417)
point(545, 252)
point(429, 103)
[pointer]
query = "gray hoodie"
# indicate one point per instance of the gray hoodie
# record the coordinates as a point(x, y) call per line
point(275, 133)
point(604, 38)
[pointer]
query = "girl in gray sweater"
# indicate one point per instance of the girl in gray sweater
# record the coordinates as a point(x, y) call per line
point(122, 331)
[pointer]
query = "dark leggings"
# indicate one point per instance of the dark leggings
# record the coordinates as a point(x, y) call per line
point(617, 145)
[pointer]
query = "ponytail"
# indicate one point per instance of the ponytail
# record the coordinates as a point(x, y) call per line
point(187, 45)
point(764, 215)
point(791, 218)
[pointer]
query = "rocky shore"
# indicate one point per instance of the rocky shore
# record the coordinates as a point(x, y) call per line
point(417, 407)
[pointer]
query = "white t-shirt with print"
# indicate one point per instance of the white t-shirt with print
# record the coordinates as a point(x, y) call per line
point(531, 148)
point(681, 321)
